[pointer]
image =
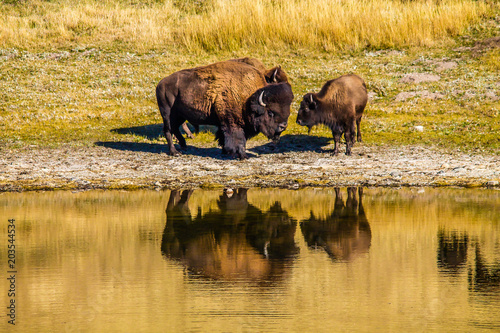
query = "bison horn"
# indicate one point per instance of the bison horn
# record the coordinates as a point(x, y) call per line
point(261, 102)
point(274, 75)
point(311, 97)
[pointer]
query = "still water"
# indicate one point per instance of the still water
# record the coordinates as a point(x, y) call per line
point(311, 260)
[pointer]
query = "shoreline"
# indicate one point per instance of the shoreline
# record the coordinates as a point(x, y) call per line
point(129, 166)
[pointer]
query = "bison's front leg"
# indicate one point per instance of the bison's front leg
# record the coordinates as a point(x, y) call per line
point(350, 131)
point(234, 142)
point(337, 135)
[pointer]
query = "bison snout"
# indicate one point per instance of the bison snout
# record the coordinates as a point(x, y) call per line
point(282, 127)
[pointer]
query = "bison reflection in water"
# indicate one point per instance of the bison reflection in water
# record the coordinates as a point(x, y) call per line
point(237, 242)
point(452, 251)
point(345, 233)
point(453, 257)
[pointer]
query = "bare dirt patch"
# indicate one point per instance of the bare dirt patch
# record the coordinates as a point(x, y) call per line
point(297, 162)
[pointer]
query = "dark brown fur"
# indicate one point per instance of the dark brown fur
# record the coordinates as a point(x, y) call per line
point(339, 105)
point(225, 94)
point(273, 75)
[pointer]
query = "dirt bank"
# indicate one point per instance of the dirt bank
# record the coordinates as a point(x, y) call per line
point(116, 165)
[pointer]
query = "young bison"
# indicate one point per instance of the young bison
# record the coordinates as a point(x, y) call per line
point(339, 105)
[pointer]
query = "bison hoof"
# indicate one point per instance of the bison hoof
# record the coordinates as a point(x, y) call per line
point(243, 156)
point(174, 153)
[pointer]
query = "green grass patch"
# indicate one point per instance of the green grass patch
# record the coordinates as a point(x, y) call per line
point(82, 90)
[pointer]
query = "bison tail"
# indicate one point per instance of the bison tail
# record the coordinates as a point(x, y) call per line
point(161, 99)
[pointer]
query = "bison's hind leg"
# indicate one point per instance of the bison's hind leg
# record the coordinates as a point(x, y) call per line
point(337, 131)
point(176, 122)
point(358, 132)
point(165, 103)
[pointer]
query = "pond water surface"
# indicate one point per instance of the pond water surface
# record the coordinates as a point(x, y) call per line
point(265, 260)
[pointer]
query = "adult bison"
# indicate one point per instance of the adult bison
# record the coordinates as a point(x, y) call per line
point(339, 105)
point(231, 95)
point(273, 75)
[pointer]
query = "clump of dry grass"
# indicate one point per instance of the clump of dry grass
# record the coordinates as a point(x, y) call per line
point(234, 24)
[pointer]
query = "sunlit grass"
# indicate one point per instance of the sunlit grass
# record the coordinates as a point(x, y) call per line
point(80, 86)
point(232, 24)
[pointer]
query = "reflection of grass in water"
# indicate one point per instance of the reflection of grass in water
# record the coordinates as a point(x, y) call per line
point(102, 243)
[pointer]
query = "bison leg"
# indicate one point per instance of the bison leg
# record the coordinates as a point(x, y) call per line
point(234, 142)
point(336, 139)
point(176, 122)
point(337, 135)
point(165, 103)
point(186, 130)
point(180, 138)
point(358, 133)
point(350, 130)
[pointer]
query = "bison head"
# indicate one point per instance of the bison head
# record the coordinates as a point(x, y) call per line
point(269, 109)
point(276, 75)
point(307, 112)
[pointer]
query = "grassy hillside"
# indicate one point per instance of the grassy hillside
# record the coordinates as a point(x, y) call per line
point(215, 25)
point(84, 71)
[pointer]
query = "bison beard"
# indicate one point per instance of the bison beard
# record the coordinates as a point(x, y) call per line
point(231, 95)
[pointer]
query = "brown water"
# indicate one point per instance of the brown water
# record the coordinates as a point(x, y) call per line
point(263, 260)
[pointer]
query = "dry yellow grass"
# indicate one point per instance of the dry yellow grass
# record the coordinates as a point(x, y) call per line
point(234, 24)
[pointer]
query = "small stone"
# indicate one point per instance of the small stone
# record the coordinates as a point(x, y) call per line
point(395, 174)
point(403, 96)
point(444, 66)
point(419, 77)
point(418, 128)
point(445, 166)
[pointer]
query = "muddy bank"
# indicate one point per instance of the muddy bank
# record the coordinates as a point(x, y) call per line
point(117, 165)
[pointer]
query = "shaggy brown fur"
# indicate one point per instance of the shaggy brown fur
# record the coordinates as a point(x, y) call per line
point(339, 105)
point(225, 94)
point(273, 75)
